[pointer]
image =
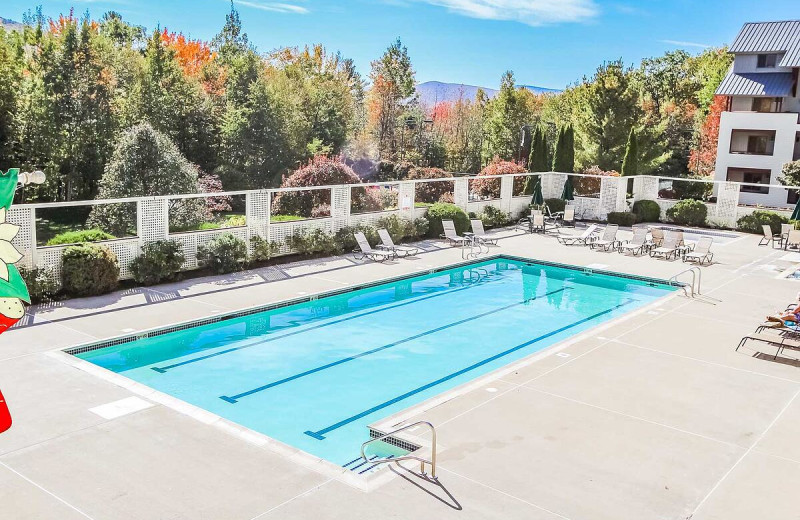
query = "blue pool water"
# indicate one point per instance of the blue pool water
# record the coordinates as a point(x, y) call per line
point(315, 374)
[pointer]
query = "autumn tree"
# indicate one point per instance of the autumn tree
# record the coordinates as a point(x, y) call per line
point(703, 158)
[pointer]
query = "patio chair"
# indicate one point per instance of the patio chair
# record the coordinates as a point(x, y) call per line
point(525, 222)
point(792, 239)
point(480, 234)
point(656, 237)
point(609, 239)
point(538, 223)
point(782, 341)
point(668, 247)
point(583, 239)
point(388, 244)
point(450, 234)
point(785, 228)
point(637, 244)
point(376, 255)
point(701, 251)
point(568, 220)
point(770, 238)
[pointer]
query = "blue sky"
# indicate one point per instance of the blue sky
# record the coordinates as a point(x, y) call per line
point(549, 43)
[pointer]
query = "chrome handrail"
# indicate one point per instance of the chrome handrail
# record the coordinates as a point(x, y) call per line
point(697, 278)
point(422, 461)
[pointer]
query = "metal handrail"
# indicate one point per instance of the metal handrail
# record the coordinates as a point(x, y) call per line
point(422, 461)
point(697, 278)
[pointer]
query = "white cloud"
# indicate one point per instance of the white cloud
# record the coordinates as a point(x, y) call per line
point(679, 43)
point(276, 7)
point(531, 12)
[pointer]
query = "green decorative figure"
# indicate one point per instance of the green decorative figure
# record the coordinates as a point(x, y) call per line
point(13, 292)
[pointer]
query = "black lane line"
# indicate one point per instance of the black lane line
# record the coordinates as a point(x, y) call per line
point(258, 342)
point(320, 434)
point(234, 398)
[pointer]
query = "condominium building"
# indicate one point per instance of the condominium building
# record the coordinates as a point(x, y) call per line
point(760, 128)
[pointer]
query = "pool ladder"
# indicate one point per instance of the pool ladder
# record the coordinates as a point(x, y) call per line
point(690, 290)
point(431, 462)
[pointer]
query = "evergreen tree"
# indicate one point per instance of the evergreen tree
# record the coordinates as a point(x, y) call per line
point(538, 159)
point(506, 114)
point(630, 165)
point(564, 155)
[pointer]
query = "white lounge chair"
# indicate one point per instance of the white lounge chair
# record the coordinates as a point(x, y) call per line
point(376, 255)
point(770, 238)
point(668, 247)
point(609, 239)
point(525, 222)
point(701, 251)
point(388, 244)
point(538, 223)
point(450, 234)
point(480, 234)
point(583, 239)
point(656, 237)
point(568, 219)
point(793, 239)
point(637, 244)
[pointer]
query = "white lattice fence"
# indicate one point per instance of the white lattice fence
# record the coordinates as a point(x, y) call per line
point(191, 241)
point(25, 241)
point(371, 219)
point(280, 231)
point(126, 250)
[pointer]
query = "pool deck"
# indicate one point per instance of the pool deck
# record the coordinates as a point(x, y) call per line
point(652, 417)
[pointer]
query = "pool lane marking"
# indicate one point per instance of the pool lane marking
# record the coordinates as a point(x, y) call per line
point(261, 341)
point(320, 434)
point(234, 398)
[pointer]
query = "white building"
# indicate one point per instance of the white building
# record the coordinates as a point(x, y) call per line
point(760, 129)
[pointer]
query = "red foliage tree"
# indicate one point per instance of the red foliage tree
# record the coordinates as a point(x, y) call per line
point(490, 188)
point(321, 170)
point(703, 156)
point(431, 191)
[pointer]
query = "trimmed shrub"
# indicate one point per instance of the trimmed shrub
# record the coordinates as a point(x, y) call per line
point(621, 218)
point(320, 171)
point(88, 270)
point(490, 188)
point(314, 241)
point(646, 211)
point(263, 249)
point(42, 283)
point(688, 212)
point(159, 261)
point(555, 205)
point(421, 227)
point(223, 254)
point(752, 223)
point(80, 237)
point(494, 217)
point(442, 211)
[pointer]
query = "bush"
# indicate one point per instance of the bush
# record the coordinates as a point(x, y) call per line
point(621, 218)
point(346, 241)
point(42, 283)
point(421, 227)
point(752, 223)
point(223, 254)
point(320, 171)
point(688, 212)
point(314, 241)
point(691, 190)
point(646, 211)
point(80, 237)
point(555, 205)
point(430, 192)
point(494, 217)
point(159, 261)
point(263, 249)
point(88, 270)
point(442, 211)
point(490, 188)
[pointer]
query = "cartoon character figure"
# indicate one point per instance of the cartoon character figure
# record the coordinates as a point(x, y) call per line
point(13, 292)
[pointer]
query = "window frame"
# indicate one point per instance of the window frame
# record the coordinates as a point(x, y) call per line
point(767, 58)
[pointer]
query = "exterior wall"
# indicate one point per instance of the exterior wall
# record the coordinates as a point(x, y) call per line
point(744, 63)
point(785, 126)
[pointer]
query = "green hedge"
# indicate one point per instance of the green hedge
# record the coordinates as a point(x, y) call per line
point(647, 211)
point(88, 270)
point(160, 261)
point(444, 211)
point(752, 223)
point(688, 212)
point(621, 218)
point(555, 205)
point(80, 237)
point(223, 254)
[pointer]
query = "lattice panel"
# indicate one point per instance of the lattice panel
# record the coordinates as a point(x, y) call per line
point(25, 241)
point(608, 196)
point(258, 204)
point(587, 208)
point(191, 241)
point(645, 188)
point(279, 232)
point(340, 207)
point(406, 198)
point(152, 218)
point(371, 219)
point(519, 205)
point(126, 250)
point(506, 193)
point(557, 181)
point(461, 193)
point(727, 202)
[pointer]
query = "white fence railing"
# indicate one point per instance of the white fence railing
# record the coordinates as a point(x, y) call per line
point(152, 213)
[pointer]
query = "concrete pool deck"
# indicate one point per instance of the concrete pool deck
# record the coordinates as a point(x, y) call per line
point(654, 416)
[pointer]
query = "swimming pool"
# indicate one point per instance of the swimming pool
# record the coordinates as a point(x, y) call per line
point(315, 374)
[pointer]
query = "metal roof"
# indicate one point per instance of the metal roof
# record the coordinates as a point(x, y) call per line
point(771, 37)
point(777, 84)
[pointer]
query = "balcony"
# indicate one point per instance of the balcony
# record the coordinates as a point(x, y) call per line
point(752, 142)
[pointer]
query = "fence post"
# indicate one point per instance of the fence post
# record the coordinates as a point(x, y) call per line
point(406, 195)
point(152, 220)
point(609, 195)
point(506, 193)
point(257, 212)
point(340, 207)
point(25, 241)
point(461, 193)
point(727, 203)
point(645, 188)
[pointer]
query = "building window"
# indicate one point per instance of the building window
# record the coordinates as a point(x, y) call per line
point(767, 104)
point(757, 144)
point(767, 61)
point(750, 176)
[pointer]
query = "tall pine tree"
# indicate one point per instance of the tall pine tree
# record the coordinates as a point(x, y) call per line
point(564, 155)
point(630, 164)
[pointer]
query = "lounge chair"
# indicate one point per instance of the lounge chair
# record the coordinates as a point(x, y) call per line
point(782, 341)
point(538, 223)
point(793, 239)
point(451, 235)
point(637, 244)
point(376, 255)
point(568, 220)
point(609, 239)
point(388, 244)
point(583, 239)
point(480, 234)
point(701, 251)
point(656, 237)
point(785, 228)
point(770, 238)
point(668, 247)
point(525, 222)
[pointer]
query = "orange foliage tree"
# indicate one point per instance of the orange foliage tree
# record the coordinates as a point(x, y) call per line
point(703, 156)
point(193, 55)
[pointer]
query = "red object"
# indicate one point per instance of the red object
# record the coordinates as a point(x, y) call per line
point(6, 323)
point(5, 415)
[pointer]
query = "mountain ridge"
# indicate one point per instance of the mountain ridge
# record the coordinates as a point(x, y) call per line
point(433, 92)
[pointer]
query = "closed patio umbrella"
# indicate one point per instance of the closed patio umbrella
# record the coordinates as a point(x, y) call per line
point(569, 190)
point(538, 199)
point(796, 213)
